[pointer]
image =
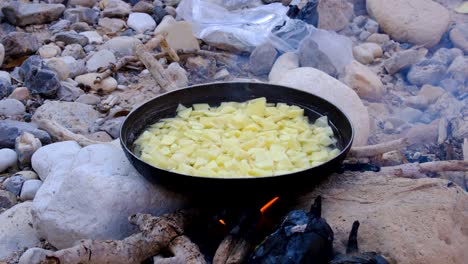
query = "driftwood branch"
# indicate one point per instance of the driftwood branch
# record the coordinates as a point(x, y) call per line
point(420, 170)
point(156, 234)
point(122, 62)
point(378, 149)
point(61, 133)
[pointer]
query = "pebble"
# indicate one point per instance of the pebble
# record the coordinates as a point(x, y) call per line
point(20, 93)
point(14, 184)
point(70, 37)
point(459, 36)
point(8, 159)
point(106, 85)
point(100, 136)
point(378, 38)
point(403, 60)
point(392, 158)
point(27, 175)
point(141, 22)
point(7, 199)
point(143, 7)
point(446, 56)
point(11, 107)
point(59, 26)
point(311, 56)
point(22, 14)
point(366, 53)
point(38, 78)
point(80, 27)
point(89, 99)
point(5, 88)
point(179, 33)
point(177, 74)
point(122, 46)
point(25, 146)
point(112, 25)
point(100, 59)
point(199, 64)
point(171, 11)
point(364, 81)
point(285, 62)
point(112, 126)
point(93, 37)
point(334, 15)
point(458, 70)
point(427, 72)
point(2, 54)
point(68, 92)
point(49, 51)
point(29, 189)
point(159, 12)
point(410, 114)
point(221, 74)
point(427, 95)
point(74, 50)
point(262, 59)
point(81, 14)
point(11, 129)
point(18, 44)
point(59, 67)
point(86, 3)
point(116, 8)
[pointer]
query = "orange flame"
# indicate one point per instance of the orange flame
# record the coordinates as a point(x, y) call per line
point(267, 205)
point(222, 221)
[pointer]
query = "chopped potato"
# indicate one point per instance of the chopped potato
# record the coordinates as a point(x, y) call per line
point(254, 138)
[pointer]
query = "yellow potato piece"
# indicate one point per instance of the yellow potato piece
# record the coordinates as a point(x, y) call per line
point(248, 139)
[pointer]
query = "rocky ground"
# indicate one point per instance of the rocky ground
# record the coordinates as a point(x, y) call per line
point(408, 79)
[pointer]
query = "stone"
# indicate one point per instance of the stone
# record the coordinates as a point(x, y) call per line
point(25, 146)
point(364, 81)
point(366, 53)
point(426, 96)
point(318, 83)
point(141, 22)
point(34, 255)
point(446, 56)
point(122, 46)
point(16, 230)
point(171, 11)
point(49, 51)
point(53, 157)
point(159, 12)
point(11, 129)
point(81, 14)
point(71, 204)
point(446, 106)
point(410, 115)
point(458, 70)
point(262, 59)
point(7, 199)
point(434, 214)
point(70, 37)
point(112, 25)
point(86, 3)
point(4, 75)
point(89, 99)
point(59, 67)
point(177, 75)
point(378, 38)
point(27, 175)
point(14, 184)
point(74, 50)
point(19, 44)
point(76, 117)
point(459, 36)
point(11, 107)
point(68, 92)
point(106, 85)
point(8, 159)
point(422, 134)
point(143, 7)
point(116, 8)
point(29, 190)
point(22, 14)
point(20, 93)
point(403, 60)
point(392, 158)
point(459, 128)
point(76, 67)
point(59, 26)
point(112, 126)
point(100, 136)
point(5, 88)
point(284, 63)
point(334, 14)
point(100, 59)
point(179, 33)
point(80, 27)
point(420, 22)
point(93, 37)
point(311, 56)
point(2, 54)
point(426, 72)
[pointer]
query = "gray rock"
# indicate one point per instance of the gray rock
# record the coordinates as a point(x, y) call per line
point(121, 46)
point(7, 199)
point(16, 230)
point(402, 60)
point(70, 37)
point(39, 78)
point(14, 184)
point(112, 25)
point(311, 56)
point(86, 3)
point(20, 43)
point(141, 22)
point(458, 70)
point(143, 7)
point(410, 115)
point(68, 92)
point(25, 145)
point(262, 59)
point(11, 129)
point(81, 14)
point(2, 54)
point(11, 107)
point(80, 27)
point(89, 99)
point(459, 128)
point(8, 159)
point(22, 14)
point(102, 58)
point(59, 26)
point(30, 189)
point(177, 74)
point(444, 56)
point(459, 36)
point(74, 50)
point(112, 126)
point(93, 37)
point(159, 13)
point(49, 51)
point(427, 72)
point(5, 88)
point(116, 8)
point(76, 117)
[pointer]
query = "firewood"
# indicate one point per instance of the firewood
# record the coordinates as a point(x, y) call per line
point(156, 234)
point(378, 149)
point(420, 170)
point(62, 134)
point(122, 62)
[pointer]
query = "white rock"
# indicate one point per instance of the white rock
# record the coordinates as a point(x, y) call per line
point(93, 196)
point(179, 33)
point(8, 159)
point(107, 85)
point(33, 255)
point(16, 230)
point(53, 156)
point(321, 84)
point(74, 50)
point(141, 22)
point(26, 144)
point(5, 76)
point(10, 107)
point(49, 51)
point(284, 63)
point(102, 58)
point(367, 52)
point(89, 99)
point(121, 46)
point(364, 81)
point(93, 37)
point(177, 74)
point(29, 189)
point(28, 175)
point(111, 25)
point(60, 67)
point(76, 67)
point(2, 54)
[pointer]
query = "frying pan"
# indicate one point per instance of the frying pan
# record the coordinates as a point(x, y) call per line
point(235, 190)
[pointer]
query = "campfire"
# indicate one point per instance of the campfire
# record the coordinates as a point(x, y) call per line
point(80, 80)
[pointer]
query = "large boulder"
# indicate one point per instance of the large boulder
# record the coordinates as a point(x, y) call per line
point(16, 230)
point(420, 22)
point(408, 221)
point(91, 194)
point(321, 84)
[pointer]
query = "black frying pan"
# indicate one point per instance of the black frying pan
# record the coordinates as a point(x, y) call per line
point(235, 189)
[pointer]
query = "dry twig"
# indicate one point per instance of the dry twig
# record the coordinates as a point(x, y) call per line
point(61, 133)
point(419, 170)
point(378, 149)
point(114, 68)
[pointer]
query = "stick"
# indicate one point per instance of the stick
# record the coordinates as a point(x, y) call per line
point(228, 59)
point(114, 68)
point(156, 234)
point(419, 170)
point(378, 149)
point(61, 133)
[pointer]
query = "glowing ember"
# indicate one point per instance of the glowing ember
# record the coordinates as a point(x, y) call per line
point(267, 205)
